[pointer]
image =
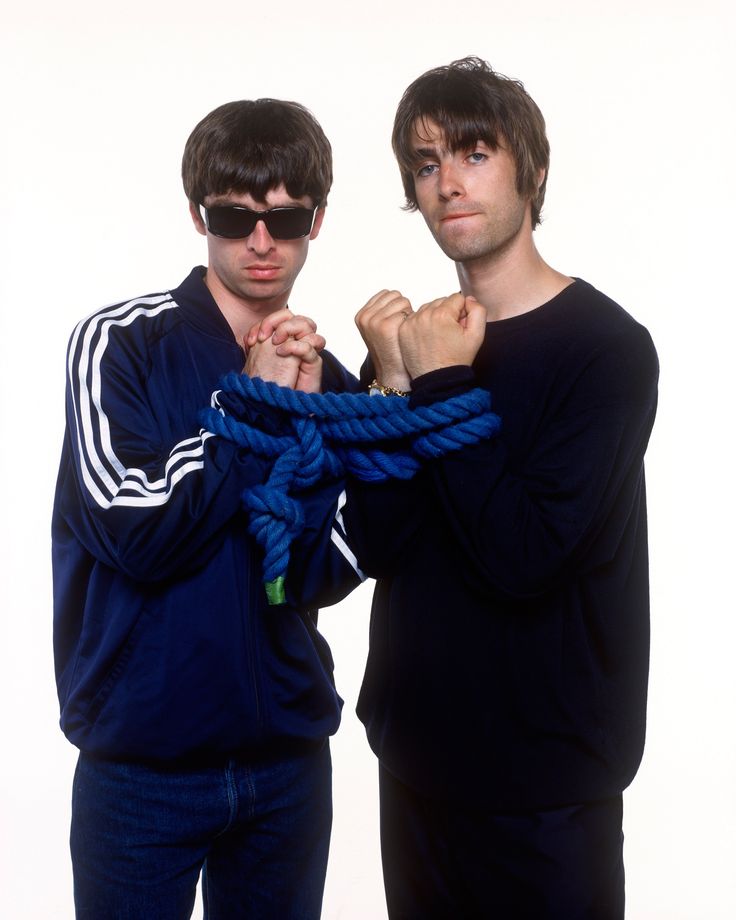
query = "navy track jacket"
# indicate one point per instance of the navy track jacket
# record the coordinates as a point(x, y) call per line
point(165, 647)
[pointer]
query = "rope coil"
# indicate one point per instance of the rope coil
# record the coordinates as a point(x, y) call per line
point(329, 436)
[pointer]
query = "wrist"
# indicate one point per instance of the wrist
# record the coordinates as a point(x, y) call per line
point(379, 389)
point(392, 374)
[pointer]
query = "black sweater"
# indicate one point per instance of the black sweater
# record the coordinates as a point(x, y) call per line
point(510, 626)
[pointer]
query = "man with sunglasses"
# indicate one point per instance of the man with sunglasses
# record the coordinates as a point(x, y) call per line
point(202, 714)
point(506, 684)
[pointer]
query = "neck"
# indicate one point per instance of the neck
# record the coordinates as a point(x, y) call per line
point(511, 282)
point(242, 313)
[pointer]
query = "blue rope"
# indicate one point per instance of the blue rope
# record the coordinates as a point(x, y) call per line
point(330, 436)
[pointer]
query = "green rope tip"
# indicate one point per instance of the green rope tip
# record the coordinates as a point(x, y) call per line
point(276, 591)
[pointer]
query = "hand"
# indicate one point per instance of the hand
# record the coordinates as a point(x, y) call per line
point(262, 360)
point(309, 372)
point(378, 323)
point(284, 324)
point(284, 349)
point(445, 332)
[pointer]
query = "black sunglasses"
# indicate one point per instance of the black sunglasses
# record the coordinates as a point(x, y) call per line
point(235, 223)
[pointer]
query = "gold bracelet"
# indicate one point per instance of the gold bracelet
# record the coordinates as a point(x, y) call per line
point(376, 388)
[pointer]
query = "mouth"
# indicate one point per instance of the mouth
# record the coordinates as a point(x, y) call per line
point(457, 215)
point(262, 270)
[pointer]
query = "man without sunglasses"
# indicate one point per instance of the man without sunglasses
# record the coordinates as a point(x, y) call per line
point(201, 713)
point(505, 690)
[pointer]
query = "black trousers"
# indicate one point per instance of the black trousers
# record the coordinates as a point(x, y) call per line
point(445, 863)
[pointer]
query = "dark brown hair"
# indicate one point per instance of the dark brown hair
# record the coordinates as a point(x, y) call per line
point(469, 102)
point(253, 146)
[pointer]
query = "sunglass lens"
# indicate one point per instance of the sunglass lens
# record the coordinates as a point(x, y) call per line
point(289, 223)
point(232, 223)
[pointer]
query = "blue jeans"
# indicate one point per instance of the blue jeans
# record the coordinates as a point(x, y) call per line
point(258, 831)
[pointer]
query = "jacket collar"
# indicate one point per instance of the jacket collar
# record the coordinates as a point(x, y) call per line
point(198, 306)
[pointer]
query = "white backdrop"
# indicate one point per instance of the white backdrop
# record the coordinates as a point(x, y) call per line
point(97, 103)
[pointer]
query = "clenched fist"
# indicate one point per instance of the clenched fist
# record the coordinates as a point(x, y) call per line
point(442, 333)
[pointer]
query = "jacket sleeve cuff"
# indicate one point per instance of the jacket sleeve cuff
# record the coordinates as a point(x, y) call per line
point(441, 384)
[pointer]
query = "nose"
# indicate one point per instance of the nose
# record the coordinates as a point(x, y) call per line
point(450, 181)
point(260, 241)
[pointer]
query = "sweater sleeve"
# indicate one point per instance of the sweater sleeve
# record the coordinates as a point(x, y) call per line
point(523, 526)
point(134, 500)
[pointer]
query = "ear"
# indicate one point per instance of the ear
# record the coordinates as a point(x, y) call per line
point(541, 176)
point(316, 226)
point(197, 218)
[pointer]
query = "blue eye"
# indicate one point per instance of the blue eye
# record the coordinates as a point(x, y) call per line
point(426, 170)
point(477, 157)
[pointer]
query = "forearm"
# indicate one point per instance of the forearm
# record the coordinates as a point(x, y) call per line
point(323, 567)
point(165, 521)
point(524, 519)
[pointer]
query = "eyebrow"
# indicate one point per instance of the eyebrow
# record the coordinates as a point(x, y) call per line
point(426, 152)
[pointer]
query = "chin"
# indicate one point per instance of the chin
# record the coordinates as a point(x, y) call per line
point(262, 292)
point(460, 253)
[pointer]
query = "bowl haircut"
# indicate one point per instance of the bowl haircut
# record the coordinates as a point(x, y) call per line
point(469, 102)
point(253, 146)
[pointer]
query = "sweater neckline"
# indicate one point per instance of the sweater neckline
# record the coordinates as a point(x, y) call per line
point(540, 313)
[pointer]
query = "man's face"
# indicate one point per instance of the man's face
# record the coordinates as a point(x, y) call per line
point(467, 197)
point(258, 270)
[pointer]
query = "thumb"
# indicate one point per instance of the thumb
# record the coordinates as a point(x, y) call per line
point(456, 303)
point(476, 315)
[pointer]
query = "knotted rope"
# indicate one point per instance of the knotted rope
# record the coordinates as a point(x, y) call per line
point(330, 435)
